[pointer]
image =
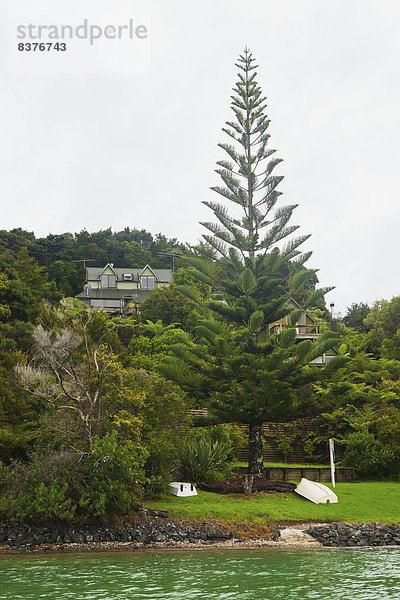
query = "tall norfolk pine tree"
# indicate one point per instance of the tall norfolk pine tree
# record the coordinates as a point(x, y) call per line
point(245, 374)
point(248, 181)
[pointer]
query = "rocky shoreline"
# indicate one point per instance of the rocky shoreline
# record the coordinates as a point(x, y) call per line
point(363, 534)
point(154, 530)
point(160, 531)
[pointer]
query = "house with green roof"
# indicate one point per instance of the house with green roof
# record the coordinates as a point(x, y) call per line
point(307, 328)
point(121, 289)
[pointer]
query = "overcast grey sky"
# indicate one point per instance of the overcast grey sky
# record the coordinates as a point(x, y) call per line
point(94, 151)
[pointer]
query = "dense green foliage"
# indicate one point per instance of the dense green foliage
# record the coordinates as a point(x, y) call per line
point(205, 459)
point(57, 254)
point(360, 405)
point(52, 469)
point(383, 326)
point(102, 483)
point(208, 453)
point(171, 306)
point(355, 316)
point(76, 384)
point(90, 431)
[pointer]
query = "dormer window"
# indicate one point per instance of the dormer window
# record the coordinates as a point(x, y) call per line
point(108, 281)
point(127, 276)
point(147, 282)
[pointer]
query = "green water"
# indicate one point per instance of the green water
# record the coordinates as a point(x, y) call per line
point(331, 574)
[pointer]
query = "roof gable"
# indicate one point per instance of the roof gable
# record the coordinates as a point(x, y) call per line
point(292, 303)
point(161, 275)
point(108, 270)
point(147, 271)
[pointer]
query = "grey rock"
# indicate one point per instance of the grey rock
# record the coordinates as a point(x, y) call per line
point(294, 536)
point(77, 538)
point(214, 530)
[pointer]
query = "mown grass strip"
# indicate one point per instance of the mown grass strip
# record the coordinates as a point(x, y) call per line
point(358, 503)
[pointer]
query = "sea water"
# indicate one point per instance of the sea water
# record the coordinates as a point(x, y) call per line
point(331, 574)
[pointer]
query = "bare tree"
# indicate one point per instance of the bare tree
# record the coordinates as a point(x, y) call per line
point(67, 366)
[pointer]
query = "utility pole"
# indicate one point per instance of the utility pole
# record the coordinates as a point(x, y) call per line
point(84, 261)
point(171, 255)
point(332, 460)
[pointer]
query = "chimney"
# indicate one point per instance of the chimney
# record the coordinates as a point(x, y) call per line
point(332, 306)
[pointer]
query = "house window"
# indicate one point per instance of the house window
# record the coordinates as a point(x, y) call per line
point(98, 303)
point(112, 304)
point(108, 281)
point(147, 283)
point(127, 277)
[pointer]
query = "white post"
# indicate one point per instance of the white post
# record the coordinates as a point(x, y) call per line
point(332, 459)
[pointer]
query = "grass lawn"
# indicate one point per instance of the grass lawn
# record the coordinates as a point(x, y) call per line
point(358, 503)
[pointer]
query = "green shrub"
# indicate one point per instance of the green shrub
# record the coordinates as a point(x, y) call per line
point(114, 476)
point(227, 433)
point(369, 457)
point(285, 446)
point(65, 486)
point(206, 459)
point(309, 444)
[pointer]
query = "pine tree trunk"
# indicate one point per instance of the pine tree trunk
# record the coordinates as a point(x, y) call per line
point(250, 174)
point(255, 450)
point(248, 484)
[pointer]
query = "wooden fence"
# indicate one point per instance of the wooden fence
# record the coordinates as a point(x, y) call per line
point(322, 474)
point(272, 433)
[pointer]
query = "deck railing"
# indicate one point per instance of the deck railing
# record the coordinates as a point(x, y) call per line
point(300, 329)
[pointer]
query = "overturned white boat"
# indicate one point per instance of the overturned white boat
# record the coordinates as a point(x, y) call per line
point(316, 492)
point(179, 488)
